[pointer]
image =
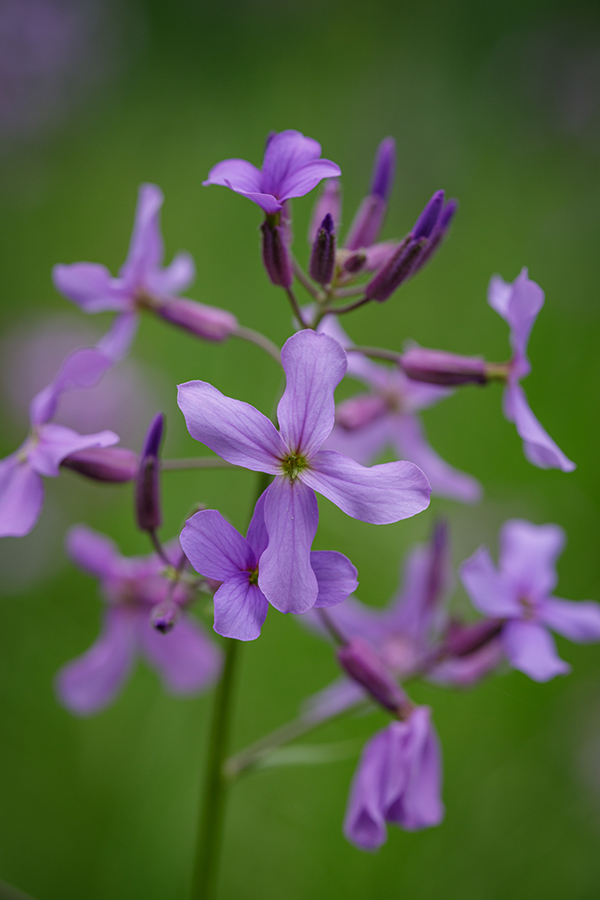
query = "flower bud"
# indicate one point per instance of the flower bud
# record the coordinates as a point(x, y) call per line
point(322, 260)
point(397, 269)
point(147, 488)
point(360, 411)
point(112, 464)
point(461, 640)
point(428, 219)
point(208, 322)
point(371, 213)
point(439, 232)
point(329, 202)
point(363, 665)
point(384, 169)
point(164, 615)
point(275, 253)
point(439, 367)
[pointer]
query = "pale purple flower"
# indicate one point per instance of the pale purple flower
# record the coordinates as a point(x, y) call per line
point(314, 365)
point(186, 660)
point(519, 304)
point(219, 552)
point(387, 417)
point(398, 781)
point(143, 281)
point(519, 593)
point(292, 166)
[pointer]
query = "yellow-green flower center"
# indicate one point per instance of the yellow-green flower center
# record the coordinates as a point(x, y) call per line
point(293, 464)
point(253, 576)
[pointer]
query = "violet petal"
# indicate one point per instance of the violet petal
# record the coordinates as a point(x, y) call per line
point(336, 577)
point(240, 608)
point(490, 593)
point(185, 658)
point(21, 497)
point(577, 621)
point(530, 648)
point(214, 547)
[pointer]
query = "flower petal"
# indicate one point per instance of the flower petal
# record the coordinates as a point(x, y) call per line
point(285, 575)
point(286, 152)
point(528, 555)
point(235, 430)
point(21, 497)
point(174, 278)
point(530, 648)
point(92, 287)
point(119, 337)
point(57, 442)
point(420, 805)
point(364, 824)
point(577, 621)
point(146, 248)
point(214, 547)
point(90, 682)
point(519, 304)
point(490, 593)
point(237, 174)
point(538, 446)
point(380, 494)
point(81, 370)
point(362, 444)
point(300, 182)
point(93, 552)
point(240, 608)
point(185, 658)
point(257, 535)
point(336, 577)
point(314, 365)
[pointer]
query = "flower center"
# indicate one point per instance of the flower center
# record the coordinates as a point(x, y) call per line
point(293, 464)
point(527, 607)
point(253, 576)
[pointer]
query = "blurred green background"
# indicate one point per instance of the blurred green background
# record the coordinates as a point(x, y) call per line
point(500, 105)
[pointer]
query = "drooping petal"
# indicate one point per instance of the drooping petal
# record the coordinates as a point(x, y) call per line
point(119, 337)
point(337, 697)
point(528, 555)
point(490, 593)
point(214, 547)
point(90, 682)
point(364, 824)
point(185, 658)
point(236, 431)
point(538, 446)
point(286, 152)
point(577, 621)
point(92, 287)
point(174, 278)
point(519, 304)
point(240, 608)
point(81, 370)
point(237, 174)
point(299, 183)
point(56, 442)
point(21, 497)
point(146, 248)
point(314, 365)
point(257, 535)
point(379, 495)
point(530, 648)
point(445, 480)
point(286, 576)
point(93, 552)
point(336, 577)
point(420, 804)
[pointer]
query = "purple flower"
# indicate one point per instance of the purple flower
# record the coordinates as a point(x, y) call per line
point(519, 593)
point(219, 552)
point(386, 416)
point(519, 304)
point(49, 444)
point(314, 365)
point(143, 282)
point(398, 780)
point(291, 168)
point(185, 658)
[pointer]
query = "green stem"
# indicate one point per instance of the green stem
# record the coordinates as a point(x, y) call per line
point(376, 353)
point(296, 308)
point(261, 340)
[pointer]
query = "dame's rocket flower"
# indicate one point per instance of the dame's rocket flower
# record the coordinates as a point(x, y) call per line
point(292, 166)
point(219, 552)
point(314, 365)
point(185, 658)
point(518, 592)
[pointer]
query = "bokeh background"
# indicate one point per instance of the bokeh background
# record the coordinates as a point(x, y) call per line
point(500, 105)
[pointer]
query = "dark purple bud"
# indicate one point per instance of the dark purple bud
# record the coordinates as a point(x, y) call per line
point(275, 253)
point(147, 488)
point(364, 666)
point(461, 640)
point(359, 411)
point(367, 222)
point(437, 576)
point(384, 169)
point(329, 201)
point(112, 464)
point(439, 232)
point(439, 367)
point(322, 259)
point(208, 322)
point(429, 217)
point(164, 615)
point(397, 269)
point(351, 263)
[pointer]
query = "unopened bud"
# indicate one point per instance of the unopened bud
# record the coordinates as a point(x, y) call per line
point(439, 367)
point(428, 219)
point(384, 169)
point(364, 666)
point(439, 232)
point(329, 202)
point(461, 640)
point(275, 253)
point(112, 464)
point(360, 411)
point(322, 260)
point(208, 322)
point(351, 262)
point(367, 222)
point(164, 615)
point(147, 489)
point(396, 270)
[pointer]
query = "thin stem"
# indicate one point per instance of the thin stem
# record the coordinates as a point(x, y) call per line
point(261, 340)
point(210, 830)
point(376, 353)
point(343, 292)
point(296, 308)
point(340, 310)
point(8, 892)
point(195, 462)
point(305, 281)
point(155, 541)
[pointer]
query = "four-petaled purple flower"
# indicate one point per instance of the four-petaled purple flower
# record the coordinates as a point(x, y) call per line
point(219, 552)
point(291, 168)
point(185, 658)
point(519, 304)
point(519, 593)
point(398, 780)
point(314, 365)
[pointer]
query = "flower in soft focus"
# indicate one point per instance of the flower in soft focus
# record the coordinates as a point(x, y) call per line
point(314, 365)
point(143, 282)
point(387, 416)
point(398, 780)
point(519, 304)
point(219, 552)
point(49, 445)
point(292, 166)
point(519, 593)
point(186, 660)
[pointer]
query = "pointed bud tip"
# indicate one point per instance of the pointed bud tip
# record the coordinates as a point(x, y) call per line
point(154, 436)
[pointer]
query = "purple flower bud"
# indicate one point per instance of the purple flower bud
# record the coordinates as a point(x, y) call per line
point(356, 412)
point(208, 322)
point(361, 662)
point(384, 169)
point(275, 253)
point(322, 260)
point(147, 489)
point(461, 640)
point(429, 217)
point(164, 615)
point(439, 367)
point(113, 464)
point(329, 202)
point(439, 232)
point(367, 222)
point(397, 269)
